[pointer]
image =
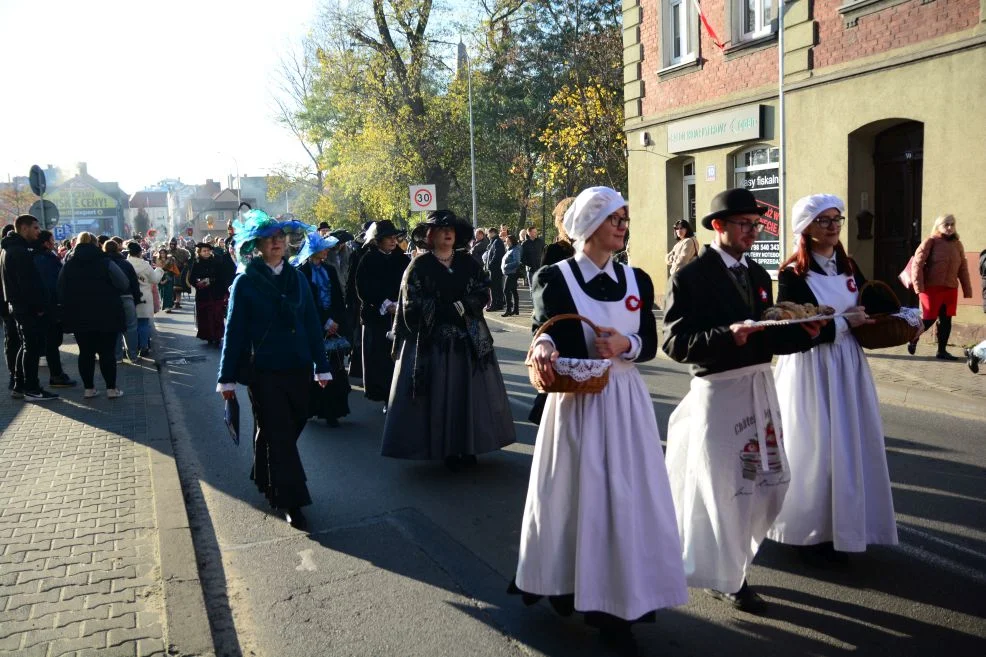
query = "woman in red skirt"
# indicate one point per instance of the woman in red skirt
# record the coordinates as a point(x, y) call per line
point(939, 266)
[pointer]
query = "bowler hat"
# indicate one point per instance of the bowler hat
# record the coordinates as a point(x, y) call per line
point(442, 219)
point(730, 203)
point(325, 225)
point(381, 229)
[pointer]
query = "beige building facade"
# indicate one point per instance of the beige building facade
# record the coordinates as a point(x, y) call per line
point(885, 106)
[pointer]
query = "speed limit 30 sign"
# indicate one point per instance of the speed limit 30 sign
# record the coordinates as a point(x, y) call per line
point(423, 198)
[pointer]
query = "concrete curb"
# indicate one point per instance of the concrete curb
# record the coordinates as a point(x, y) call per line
point(188, 625)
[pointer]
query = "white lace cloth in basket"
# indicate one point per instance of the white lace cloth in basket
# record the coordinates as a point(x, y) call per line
point(911, 315)
point(582, 369)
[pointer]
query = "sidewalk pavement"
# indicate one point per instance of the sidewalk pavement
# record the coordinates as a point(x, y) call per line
point(918, 381)
point(96, 555)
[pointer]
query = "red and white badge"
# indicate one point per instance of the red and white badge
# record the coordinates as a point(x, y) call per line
point(633, 303)
point(763, 295)
point(851, 284)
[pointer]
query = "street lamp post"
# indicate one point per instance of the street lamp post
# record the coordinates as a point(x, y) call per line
point(472, 144)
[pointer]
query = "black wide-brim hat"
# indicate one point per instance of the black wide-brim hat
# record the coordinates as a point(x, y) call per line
point(442, 219)
point(342, 235)
point(205, 245)
point(730, 203)
point(383, 228)
point(324, 224)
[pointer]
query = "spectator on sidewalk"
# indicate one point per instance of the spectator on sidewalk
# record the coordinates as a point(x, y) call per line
point(531, 251)
point(27, 300)
point(479, 245)
point(11, 342)
point(272, 343)
point(938, 268)
point(512, 271)
point(92, 293)
point(148, 277)
point(131, 297)
point(49, 266)
point(685, 249)
point(839, 498)
point(561, 248)
point(182, 258)
point(493, 258)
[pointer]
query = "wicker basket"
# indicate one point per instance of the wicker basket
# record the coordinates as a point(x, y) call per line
point(888, 330)
point(564, 382)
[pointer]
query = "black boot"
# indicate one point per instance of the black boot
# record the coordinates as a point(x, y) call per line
point(971, 361)
point(944, 331)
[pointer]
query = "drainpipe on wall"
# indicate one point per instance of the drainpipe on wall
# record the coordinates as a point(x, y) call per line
point(782, 165)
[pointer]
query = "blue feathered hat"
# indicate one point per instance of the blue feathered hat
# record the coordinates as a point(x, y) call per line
point(314, 243)
point(257, 224)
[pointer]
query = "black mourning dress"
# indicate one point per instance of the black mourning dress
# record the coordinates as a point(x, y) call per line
point(448, 396)
point(378, 280)
point(332, 401)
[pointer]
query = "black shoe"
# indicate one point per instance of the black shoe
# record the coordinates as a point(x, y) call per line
point(619, 641)
point(332, 422)
point(39, 395)
point(296, 518)
point(944, 355)
point(63, 381)
point(506, 314)
point(971, 361)
point(912, 347)
point(468, 459)
point(746, 599)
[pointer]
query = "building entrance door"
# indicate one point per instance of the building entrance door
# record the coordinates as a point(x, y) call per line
point(897, 162)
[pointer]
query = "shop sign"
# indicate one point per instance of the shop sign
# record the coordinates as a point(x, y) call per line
point(764, 185)
point(76, 199)
point(726, 127)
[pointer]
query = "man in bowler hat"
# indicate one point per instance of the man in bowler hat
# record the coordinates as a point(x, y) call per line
point(725, 453)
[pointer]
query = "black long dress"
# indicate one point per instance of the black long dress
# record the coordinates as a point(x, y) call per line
point(378, 280)
point(332, 401)
point(352, 307)
point(448, 396)
point(210, 301)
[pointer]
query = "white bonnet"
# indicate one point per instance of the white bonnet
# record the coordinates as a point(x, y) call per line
point(589, 209)
point(807, 208)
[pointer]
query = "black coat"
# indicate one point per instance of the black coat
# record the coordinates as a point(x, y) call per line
point(120, 261)
point(530, 252)
point(22, 286)
point(479, 248)
point(337, 304)
point(494, 256)
point(556, 252)
point(703, 300)
point(791, 287)
point(217, 271)
point(378, 279)
point(89, 299)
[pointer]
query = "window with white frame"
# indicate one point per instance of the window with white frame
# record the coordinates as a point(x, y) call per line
point(680, 33)
point(753, 18)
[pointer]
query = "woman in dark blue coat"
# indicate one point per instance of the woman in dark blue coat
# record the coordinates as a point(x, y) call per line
point(273, 344)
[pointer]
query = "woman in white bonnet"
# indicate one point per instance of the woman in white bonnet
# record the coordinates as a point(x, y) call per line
point(599, 533)
point(839, 498)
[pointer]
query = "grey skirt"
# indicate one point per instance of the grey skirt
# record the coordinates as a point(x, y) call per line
point(461, 408)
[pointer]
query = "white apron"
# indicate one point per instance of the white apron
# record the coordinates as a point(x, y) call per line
point(728, 473)
point(599, 520)
point(840, 486)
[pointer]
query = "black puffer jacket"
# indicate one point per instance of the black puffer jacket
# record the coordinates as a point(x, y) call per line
point(23, 288)
point(89, 289)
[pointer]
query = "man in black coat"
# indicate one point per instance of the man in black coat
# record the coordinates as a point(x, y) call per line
point(50, 266)
point(493, 259)
point(11, 341)
point(708, 304)
point(28, 302)
point(530, 253)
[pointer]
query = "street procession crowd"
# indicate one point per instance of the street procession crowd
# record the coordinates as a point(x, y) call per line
point(612, 527)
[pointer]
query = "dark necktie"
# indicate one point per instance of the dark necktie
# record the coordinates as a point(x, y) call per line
point(742, 281)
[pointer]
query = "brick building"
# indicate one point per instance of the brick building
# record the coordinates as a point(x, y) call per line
point(884, 104)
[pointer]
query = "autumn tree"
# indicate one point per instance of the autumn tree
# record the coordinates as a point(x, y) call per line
point(14, 201)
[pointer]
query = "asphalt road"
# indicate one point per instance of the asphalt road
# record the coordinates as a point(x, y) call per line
point(406, 558)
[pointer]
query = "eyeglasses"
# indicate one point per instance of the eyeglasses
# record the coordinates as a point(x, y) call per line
point(747, 226)
point(617, 221)
point(825, 222)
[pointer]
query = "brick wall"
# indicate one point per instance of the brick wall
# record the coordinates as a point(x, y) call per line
point(891, 28)
point(883, 31)
point(717, 78)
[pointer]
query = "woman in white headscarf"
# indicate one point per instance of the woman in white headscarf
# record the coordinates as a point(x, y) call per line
point(839, 498)
point(599, 533)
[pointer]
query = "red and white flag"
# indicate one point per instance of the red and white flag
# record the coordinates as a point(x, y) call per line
point(708, 28)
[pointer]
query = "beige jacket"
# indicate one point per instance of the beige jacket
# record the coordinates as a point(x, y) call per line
point(682, 253)
point(941, 262)
point(147, 276)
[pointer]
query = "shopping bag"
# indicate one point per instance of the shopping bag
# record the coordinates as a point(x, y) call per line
point(905, 276)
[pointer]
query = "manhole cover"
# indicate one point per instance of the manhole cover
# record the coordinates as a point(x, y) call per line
point(181, 360)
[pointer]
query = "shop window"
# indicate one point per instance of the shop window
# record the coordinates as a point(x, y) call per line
point(680, 33)
point(688, 192)
point(758, 170)
point(753, 19)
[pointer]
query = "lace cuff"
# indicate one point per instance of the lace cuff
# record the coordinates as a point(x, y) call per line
point(225, 387)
